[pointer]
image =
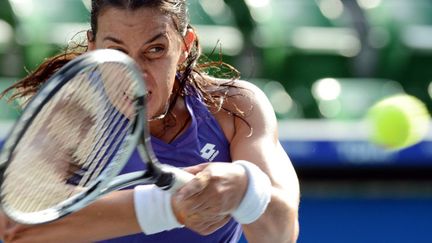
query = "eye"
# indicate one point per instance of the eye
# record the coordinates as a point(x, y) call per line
point(155, 51)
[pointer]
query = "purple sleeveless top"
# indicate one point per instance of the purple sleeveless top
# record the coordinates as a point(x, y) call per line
point(203, 141)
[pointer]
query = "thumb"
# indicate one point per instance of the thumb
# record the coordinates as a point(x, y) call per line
point(193, 187)
point(196, 168)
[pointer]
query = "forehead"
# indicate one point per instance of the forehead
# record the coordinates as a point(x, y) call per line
point(140, 21)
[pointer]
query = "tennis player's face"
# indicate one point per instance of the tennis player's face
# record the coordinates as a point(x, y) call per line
point(150, 38)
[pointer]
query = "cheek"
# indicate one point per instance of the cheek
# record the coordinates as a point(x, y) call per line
point(160, 81)
point(164, 74)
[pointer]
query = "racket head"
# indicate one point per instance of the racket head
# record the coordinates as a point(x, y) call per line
point(73, 137)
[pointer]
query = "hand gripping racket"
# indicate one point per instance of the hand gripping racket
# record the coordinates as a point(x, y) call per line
point(75, 136)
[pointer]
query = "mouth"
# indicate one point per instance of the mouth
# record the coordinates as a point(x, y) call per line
point(142, 100)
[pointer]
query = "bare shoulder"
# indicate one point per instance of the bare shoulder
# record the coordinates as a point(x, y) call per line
point(242, 95)
point(247, 100)
point(247, 93)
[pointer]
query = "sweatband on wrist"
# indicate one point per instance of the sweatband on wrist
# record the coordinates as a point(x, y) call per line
point(257, 196)
point(153, 209)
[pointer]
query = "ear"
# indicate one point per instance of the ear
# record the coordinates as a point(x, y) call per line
point(188, 41)
point(91, 40)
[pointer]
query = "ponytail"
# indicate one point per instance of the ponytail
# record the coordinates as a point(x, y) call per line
point(29, 85)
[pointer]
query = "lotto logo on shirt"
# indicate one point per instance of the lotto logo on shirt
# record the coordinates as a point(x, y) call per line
point(209, 152)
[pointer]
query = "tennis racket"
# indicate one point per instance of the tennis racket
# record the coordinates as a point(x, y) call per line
point(75, 136)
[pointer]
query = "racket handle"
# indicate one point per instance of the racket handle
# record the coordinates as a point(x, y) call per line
point(180, 178)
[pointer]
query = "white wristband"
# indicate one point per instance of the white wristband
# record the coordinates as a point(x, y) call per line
point(153, 209)
point(257, 196)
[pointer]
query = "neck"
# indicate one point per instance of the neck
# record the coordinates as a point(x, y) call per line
point(173, 124)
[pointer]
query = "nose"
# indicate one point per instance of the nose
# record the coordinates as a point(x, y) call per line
point(142, 65)
point(142, 68)
point(139, 61)
point(145, 76)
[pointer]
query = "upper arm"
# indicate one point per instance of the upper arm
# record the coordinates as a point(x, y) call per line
point(255, 138)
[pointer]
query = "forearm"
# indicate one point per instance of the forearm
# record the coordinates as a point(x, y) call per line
point(109, 217)
point(279, 223)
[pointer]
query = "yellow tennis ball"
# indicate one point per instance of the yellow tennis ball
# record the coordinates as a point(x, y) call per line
point(398, 122)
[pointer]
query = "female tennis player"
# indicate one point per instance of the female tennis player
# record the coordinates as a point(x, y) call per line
point(222, 131)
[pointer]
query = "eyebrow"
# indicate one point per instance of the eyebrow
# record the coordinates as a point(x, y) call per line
point(113, 39)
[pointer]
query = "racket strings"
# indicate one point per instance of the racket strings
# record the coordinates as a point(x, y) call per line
point(71, 140)
point(112, 131)
point(116, 122)
point(49, 149)
point(88, 151)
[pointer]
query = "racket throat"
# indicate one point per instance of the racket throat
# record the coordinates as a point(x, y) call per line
point(163, 178)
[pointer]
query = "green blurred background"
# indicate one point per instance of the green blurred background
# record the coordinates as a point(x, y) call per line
point(314, 58)
point(322, 63)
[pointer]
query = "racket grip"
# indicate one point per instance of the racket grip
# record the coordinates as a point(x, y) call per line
point(180, 178)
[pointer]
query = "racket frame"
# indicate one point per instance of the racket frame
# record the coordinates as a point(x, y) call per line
point(164, 176)
point(79, 65)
